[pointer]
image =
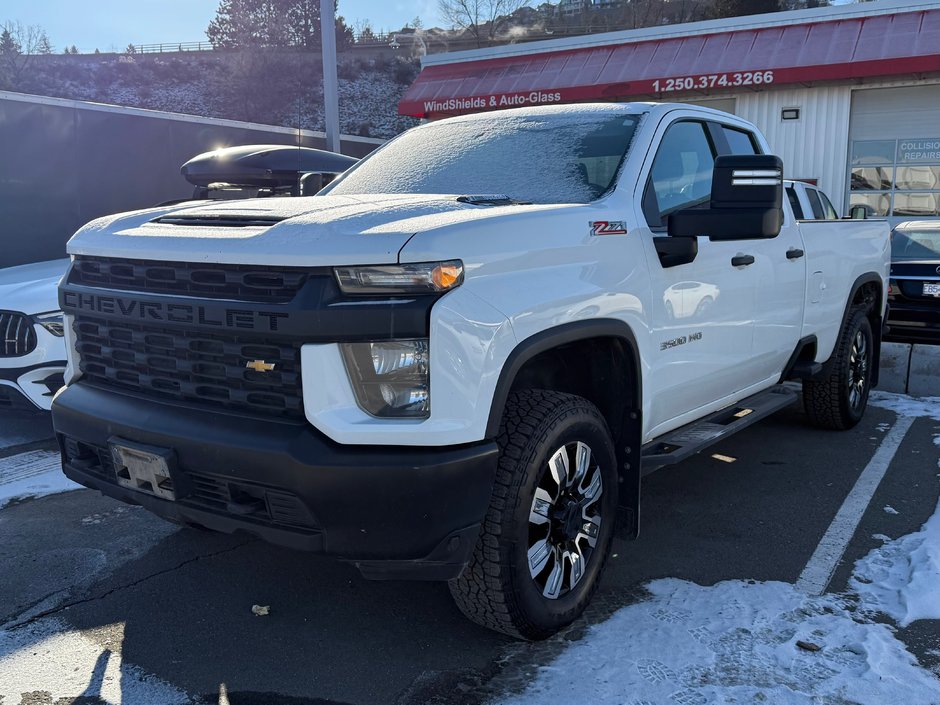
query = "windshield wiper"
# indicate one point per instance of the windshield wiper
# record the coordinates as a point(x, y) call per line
point(492, 200)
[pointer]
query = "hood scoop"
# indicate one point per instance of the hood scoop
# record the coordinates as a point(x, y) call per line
point(219, 220)
point(491, 200)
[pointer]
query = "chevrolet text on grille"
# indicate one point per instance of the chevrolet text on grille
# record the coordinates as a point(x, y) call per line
point(171, 312)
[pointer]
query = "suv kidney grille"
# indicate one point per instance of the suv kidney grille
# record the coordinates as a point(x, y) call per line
point(224, 281)
point(191, 366)
point(18, 335)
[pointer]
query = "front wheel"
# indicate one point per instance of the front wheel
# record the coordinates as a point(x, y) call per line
point(547, 533)
point(838, 401)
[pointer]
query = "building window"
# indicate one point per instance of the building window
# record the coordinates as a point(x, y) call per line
point(896, 177)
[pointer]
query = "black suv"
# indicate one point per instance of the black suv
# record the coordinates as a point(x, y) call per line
point(914, 294)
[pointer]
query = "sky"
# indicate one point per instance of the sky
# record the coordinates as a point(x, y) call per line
point(110, 25)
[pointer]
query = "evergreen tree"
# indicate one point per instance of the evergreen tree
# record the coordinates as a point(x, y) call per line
point(10, 54)
point(245, 24)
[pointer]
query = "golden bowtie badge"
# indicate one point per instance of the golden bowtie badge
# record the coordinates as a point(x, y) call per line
point(260, 366)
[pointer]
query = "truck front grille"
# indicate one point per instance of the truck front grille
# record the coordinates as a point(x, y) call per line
point(192, 365)
point(19, 337)
point(217, 281)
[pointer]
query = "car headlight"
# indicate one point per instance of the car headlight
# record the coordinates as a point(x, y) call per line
point(390, 377)
point(52, 322)
point(420, 278)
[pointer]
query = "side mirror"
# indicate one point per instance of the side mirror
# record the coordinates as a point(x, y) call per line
point(746, 201)
point(310, 183)
point(858, 212)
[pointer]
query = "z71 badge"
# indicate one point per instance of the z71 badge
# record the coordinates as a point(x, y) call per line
point(608, 227)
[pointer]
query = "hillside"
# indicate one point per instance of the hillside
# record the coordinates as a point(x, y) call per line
point(276, 88)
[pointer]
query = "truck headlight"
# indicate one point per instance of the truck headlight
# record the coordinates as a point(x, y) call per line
point(391, 378)
point(52, 322)
point(420, 278)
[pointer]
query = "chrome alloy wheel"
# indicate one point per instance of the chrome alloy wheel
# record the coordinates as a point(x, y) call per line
point(564, 519)
point(858, 369)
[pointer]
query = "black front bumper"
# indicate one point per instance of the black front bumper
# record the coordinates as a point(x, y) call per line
point(396, 512)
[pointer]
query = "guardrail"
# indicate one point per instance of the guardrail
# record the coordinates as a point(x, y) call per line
point(366, 39)
point(172, 47)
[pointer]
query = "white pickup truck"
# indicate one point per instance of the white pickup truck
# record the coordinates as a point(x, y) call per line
point(458, 360)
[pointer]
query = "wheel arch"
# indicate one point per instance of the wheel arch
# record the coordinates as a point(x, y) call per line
point(607, 373)
point(868, 290)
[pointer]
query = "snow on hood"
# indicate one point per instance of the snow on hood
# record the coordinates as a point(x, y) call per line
point(315, 231)
point(32, 288)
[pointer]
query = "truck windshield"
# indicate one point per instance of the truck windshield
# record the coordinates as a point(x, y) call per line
point(565, 158)
point(915, 244)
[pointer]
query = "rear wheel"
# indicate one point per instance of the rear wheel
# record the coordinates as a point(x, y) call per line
point(549, 526)
point(838, 401)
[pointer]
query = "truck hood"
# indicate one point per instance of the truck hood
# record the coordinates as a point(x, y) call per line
point(314, 231)
point(32, 288)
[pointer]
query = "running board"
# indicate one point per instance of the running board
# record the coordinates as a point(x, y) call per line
point(692, 438)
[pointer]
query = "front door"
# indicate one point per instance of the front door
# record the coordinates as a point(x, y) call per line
point(702, 315)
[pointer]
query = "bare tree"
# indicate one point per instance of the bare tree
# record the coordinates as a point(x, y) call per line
point(483, 19)
point(18, 43)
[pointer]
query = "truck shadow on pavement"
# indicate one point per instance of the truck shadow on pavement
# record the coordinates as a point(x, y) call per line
point(186, 612)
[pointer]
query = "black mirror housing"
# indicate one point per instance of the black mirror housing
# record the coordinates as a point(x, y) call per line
point(746, 201)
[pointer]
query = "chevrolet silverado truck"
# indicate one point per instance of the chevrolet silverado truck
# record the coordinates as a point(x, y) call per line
point(459, 359)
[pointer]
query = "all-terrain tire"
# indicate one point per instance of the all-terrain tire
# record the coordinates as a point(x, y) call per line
point(838, 400)
point(498, 588)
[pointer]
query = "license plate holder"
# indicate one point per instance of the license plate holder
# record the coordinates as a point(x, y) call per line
point(144, 468)
point(932, 289)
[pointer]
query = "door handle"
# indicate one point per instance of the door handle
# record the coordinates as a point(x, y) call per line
point(795, 253)
point(742, 260)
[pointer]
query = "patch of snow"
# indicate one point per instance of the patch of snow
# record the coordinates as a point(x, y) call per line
point(903, 405)
point(737, 641)
point(734, 642)
point(32, 474)
point(890, 510)
point(881, 537)
point(902, 578)
point(70, 664)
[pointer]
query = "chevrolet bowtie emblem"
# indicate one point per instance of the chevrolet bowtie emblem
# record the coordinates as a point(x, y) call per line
point(260, 366)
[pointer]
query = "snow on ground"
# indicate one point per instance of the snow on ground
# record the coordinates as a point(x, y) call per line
point(53, 659)
point(903, 405)
point(902, 578)
point(32, 474)
point(748, 642)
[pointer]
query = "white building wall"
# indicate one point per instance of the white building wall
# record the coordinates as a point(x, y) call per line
point(816, 145)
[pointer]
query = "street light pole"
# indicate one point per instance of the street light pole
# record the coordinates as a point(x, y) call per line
point(330, 87)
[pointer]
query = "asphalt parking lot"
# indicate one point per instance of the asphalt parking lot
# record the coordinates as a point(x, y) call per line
point(101, 602)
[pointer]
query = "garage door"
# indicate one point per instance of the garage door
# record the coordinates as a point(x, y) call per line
point(894, 147)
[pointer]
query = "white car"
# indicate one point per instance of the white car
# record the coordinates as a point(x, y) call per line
point(32, 349)
point(809, 202)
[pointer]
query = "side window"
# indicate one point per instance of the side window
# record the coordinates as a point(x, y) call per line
point(815, 204)
point(682, 171)
point(794, 203)
point(827, 207)
point(741, 142)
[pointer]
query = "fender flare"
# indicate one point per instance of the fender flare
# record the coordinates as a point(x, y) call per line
point(553, 338)
point(629, 438)
point(862, 280)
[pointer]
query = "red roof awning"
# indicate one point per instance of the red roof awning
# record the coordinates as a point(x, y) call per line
point(860, 47)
